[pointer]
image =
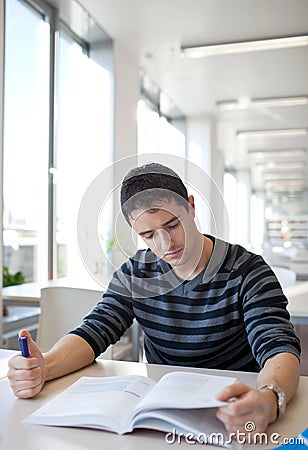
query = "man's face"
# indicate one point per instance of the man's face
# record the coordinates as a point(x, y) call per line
point(168, 230)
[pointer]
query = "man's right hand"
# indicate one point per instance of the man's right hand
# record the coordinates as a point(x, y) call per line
point(27, 375)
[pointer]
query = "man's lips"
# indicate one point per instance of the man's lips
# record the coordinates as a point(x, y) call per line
point(173, 254)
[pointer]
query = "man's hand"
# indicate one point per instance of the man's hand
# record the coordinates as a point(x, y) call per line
point(27, 375)
point(246, 405)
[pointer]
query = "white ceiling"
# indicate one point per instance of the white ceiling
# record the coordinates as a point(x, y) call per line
point(152, 32)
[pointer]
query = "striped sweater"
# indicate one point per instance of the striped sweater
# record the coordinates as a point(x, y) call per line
point(232, 315)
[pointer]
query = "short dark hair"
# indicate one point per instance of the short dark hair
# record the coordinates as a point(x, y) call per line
point(150, 184)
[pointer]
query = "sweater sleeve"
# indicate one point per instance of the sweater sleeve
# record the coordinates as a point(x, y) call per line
point(266, 317)
point(111, 317)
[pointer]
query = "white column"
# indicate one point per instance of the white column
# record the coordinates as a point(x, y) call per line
point(126, 96)
point(1, 149)
point(206, 173)
point(126, 89)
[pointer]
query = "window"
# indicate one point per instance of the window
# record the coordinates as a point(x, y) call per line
point(83, 143)
point(161, 125)
point(238, 200)
point(156, 134)
point(159, 139)
point(57, 126)
point(230, 198)
point(25, 159)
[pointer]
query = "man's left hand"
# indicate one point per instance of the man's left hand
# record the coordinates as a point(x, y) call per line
point(246, 405)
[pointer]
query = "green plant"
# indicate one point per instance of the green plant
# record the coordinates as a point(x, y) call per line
point(10, 279)
point(110, 244)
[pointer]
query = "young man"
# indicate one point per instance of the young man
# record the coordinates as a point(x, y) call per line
point(200, 302)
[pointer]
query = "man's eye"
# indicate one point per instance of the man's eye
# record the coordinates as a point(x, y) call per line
point(150, 236)
point(172, 227)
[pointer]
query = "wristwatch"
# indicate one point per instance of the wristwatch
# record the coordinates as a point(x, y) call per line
point(281, 397)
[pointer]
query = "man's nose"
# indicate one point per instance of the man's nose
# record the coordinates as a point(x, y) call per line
point(162, 242)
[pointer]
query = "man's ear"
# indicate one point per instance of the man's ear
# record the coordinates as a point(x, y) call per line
point(191, 202)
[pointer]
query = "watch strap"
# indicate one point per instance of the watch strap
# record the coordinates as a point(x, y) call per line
point(281, 397)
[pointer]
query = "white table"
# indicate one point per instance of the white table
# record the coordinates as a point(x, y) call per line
point(14, 434)
point(30, 293)
point(4, 357)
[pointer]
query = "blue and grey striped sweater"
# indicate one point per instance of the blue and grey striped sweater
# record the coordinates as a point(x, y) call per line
point(231, 316)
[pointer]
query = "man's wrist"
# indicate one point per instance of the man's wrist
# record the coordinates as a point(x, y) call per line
point(280, 399)
point(271, 401)
point(48, 363)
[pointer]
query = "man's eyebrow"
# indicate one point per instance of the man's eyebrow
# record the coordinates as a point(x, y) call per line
point(142, 233)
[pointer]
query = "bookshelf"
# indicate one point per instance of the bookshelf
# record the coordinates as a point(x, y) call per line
point(281, 230)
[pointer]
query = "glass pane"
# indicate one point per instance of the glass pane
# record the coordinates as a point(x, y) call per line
point(157, 136)
point(230, 198)
point(148, 129)
point(83, 145)
point(159, 141)
point(25, 180)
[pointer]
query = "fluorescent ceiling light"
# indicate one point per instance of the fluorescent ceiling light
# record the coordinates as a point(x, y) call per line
point(281, 165)
point(277, 153)
point(246, 103)
point(278, 176)
point(294, 181)
point(295, 193)
point(283, 188)
point(223, 48)
point(279, 132)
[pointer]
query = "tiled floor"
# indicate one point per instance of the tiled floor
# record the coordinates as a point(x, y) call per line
point(302, 332)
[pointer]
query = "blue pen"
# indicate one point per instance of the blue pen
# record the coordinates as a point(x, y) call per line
point(23, 344)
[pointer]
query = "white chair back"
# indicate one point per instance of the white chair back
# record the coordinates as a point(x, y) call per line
point(286, 277)
point(62, 309)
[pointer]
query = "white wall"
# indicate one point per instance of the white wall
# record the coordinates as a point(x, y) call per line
point(1, 145)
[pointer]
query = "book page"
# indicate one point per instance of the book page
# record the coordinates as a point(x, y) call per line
point(201, 425)
point(97, 402)
point(185, 390)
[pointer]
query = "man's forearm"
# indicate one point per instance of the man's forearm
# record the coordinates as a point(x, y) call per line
point(281, 370)
point(70, 353)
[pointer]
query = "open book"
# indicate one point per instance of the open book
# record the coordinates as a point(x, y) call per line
point(180, 402)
